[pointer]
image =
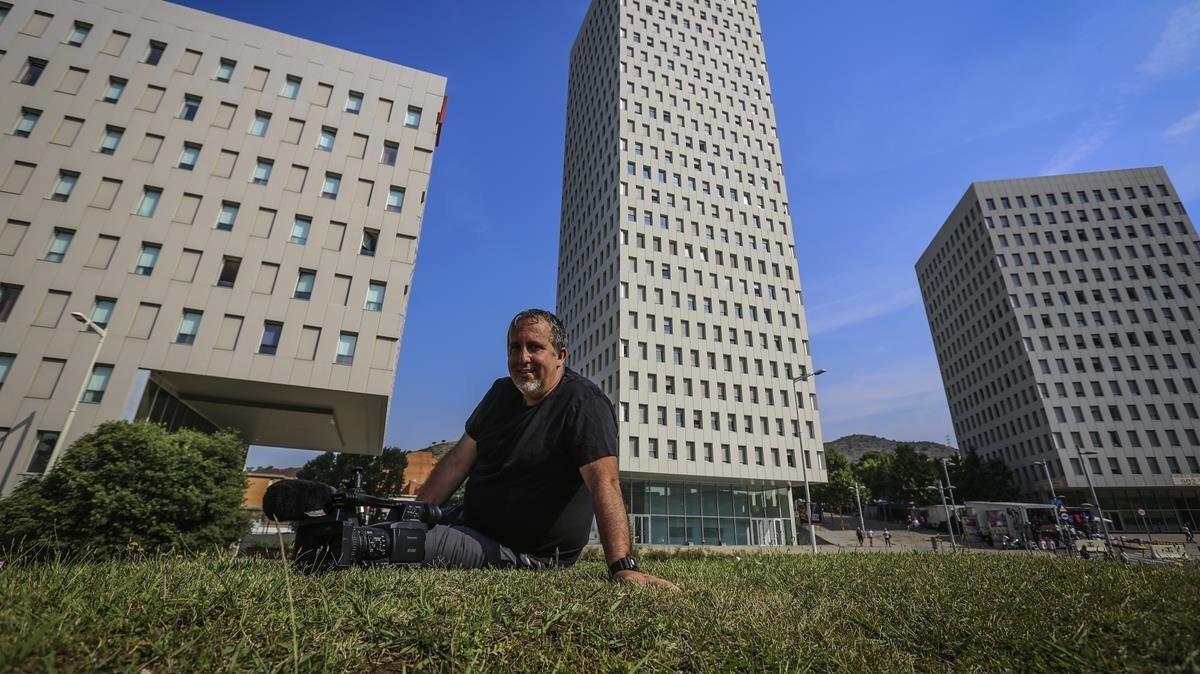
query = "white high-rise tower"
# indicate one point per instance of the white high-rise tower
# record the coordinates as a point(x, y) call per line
point(677, 270)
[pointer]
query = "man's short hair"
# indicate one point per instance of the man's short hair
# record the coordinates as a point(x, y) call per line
point(558, 333)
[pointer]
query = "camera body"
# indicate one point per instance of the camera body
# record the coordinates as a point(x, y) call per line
point(333, 529)
point(340, 543)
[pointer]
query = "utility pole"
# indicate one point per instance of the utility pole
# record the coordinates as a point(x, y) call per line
point(858, 497)
point(949, 488)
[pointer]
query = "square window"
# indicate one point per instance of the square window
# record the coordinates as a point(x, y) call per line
point(189, 325)
point(354, 103)
point(395, 200)
point(225, 70)
point(229, 271)
point(46, 440)
point(154, 52)
point(189, 156)
point(390, 150)
point(262, 171)
point(333, 183)
point(147, 259)
point(262, 120)
point(149, 202)
point(325, 141)
point(102, 311)
point(304, 284)
point(79, 33)
point(191, 104)
point(112, 137)
point(375, 293)
point(370, 241)
point(32, 71)
point(270, 337)
point(8, 299)
point(6, 361)
point(300, 229)
point(26, 121)
point(291, 87)
point(227, 216)
point(112, 93)
point(412, 118)
point(347, 343)
point(97, 384)
point(64, 185)
point(59, 243)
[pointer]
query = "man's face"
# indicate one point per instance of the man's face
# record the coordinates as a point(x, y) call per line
point(534, 365)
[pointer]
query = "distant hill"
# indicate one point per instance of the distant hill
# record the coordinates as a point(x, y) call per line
point(854, 446)
point(439, 449)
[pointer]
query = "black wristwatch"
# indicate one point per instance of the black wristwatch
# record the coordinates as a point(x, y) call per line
point(625, 563)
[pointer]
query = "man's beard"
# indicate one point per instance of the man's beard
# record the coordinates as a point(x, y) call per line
point(529, 387)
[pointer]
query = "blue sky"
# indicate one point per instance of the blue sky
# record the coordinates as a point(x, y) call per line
point(886, 112)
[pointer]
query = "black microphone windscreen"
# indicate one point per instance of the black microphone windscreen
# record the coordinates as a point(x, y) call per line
point(291, 500)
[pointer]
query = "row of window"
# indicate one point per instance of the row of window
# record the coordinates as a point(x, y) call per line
point(256, 80)
point(28, 119)
point(708, 454)
point(21, 171)
point(1114, 194)
point(54, 306)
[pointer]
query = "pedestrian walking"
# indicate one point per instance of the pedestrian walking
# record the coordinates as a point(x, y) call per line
point(859, 533)
point(871, 537)
point(1188, 536)
point(887, 537)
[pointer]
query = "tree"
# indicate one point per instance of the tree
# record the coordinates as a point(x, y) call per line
point(383, 475)
point(977, 479)
point(911, 473)
point(839, 490)
point(132, 486)
point(874, 470)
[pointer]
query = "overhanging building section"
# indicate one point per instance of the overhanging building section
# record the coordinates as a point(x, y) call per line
point(1063, 312)
point(677, 272)
point(240, 209)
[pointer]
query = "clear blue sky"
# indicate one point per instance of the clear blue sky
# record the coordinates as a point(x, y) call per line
point(886, 112)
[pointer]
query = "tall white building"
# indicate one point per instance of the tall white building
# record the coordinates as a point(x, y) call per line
point(677, 269)
point(1064, 313)
point(238, 210)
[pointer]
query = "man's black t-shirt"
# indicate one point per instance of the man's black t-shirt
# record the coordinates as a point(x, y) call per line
point(525, 489)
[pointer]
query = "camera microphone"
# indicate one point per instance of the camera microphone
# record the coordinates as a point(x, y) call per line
point(293, 500)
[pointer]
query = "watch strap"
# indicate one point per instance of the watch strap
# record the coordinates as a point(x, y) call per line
point(626, 563)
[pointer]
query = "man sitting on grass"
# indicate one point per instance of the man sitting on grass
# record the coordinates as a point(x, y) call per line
point(540, 457)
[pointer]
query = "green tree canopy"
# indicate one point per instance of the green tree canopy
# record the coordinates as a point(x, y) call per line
point(383, 475)
point(132, 486)
point(839, 490)
point(978, 479)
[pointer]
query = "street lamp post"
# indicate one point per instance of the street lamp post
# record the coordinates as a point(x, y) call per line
point(56, 453)
point(858, 497)
point(812, 534)
point(949, 527)
point(1092, 488)
point(1053, 497)
point(950, 491)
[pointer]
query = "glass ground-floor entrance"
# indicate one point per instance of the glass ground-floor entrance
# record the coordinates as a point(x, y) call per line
point(703, 514)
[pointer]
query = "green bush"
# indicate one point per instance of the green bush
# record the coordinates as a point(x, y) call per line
point(131, 488)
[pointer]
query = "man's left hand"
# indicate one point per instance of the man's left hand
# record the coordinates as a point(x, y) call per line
point(639, 578)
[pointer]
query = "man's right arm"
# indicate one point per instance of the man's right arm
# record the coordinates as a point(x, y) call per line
point(449, 472)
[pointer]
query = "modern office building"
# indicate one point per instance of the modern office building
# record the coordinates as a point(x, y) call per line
point(1064, 315)
point(237, 209)
point(677, 271)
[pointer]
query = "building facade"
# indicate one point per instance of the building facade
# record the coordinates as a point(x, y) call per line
point(677, 272)
point(236, 208)
point(1063, 311)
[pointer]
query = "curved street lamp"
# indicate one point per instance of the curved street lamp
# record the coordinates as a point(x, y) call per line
point(812, 534)
point(56, 453)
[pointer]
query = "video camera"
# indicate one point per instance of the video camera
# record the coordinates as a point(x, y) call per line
point(333, 532)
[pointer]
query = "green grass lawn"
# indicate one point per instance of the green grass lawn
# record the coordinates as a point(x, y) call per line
point(849, 612)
